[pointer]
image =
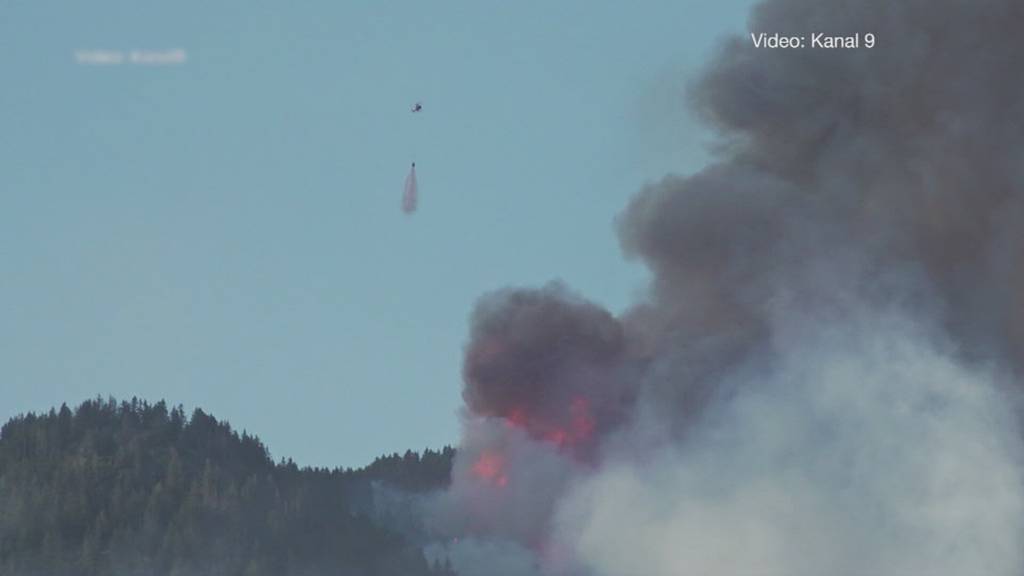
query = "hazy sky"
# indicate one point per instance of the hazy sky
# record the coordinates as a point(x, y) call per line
point(227, 233)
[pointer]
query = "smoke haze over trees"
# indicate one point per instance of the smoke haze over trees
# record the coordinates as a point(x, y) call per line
point(140, 489)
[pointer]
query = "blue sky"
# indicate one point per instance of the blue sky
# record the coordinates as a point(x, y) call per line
point(227, 234)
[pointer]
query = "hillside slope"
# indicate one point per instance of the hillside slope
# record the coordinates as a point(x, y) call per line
point(133, 488)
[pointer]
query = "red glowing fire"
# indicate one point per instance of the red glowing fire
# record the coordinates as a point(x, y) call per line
point(516, 418)
point(578, 425)
point(576, 428)
point(490, 466)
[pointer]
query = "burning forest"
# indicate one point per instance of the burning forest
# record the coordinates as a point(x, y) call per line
point(825, 374)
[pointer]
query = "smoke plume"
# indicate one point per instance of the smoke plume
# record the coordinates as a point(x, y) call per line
point(823, 377)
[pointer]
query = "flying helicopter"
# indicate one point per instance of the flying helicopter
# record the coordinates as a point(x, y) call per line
point(409, 197)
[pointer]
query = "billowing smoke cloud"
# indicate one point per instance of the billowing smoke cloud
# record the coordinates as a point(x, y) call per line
point(858, 448)
point(548, 362)
point(823, 377)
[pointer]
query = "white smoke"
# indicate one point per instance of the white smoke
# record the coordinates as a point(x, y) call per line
point(860, 448)
point(823, 377)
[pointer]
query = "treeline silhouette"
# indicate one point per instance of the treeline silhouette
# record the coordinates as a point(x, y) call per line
point(134, 488)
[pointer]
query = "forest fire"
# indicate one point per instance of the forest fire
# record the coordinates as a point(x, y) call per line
point(516, 418)
point(490, 466)
point(578, 428)
point(839, 295)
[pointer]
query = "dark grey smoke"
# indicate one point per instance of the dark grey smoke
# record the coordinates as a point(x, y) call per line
point(547, 361)
point(823, 375)
point(530, 348)
point(911, 149)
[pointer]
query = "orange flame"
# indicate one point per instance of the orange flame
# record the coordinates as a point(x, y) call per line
point(516, 418)
point(579, 428)
point(490, 466)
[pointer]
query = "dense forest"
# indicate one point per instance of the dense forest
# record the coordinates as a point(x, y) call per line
point(134, 488)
